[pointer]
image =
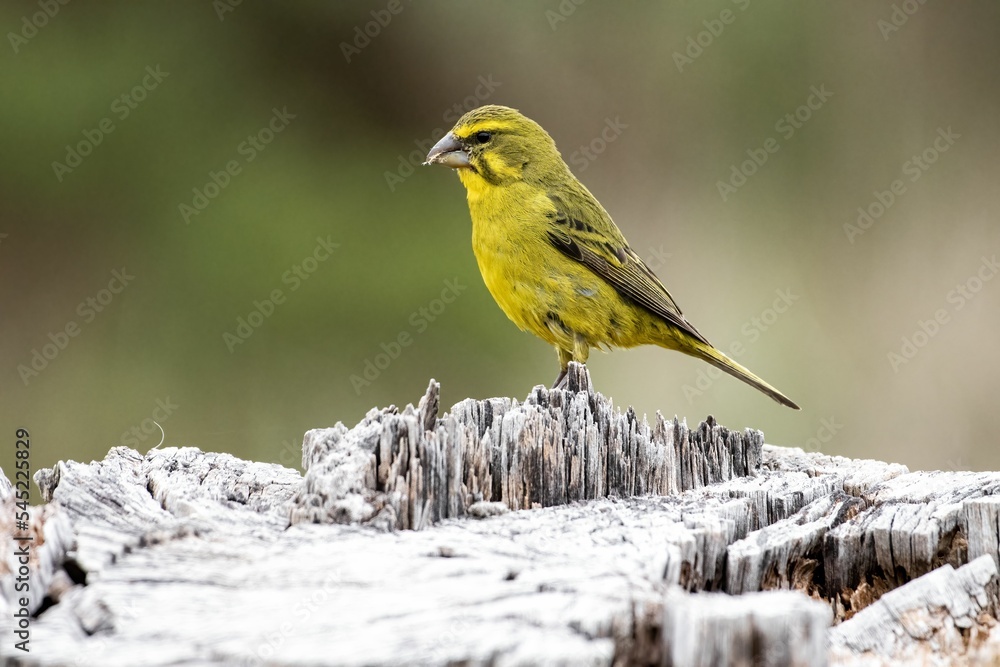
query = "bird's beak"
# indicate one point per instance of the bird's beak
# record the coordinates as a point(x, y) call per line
point(449, 152)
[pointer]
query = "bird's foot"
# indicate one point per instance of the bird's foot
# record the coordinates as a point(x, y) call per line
point(561, 381)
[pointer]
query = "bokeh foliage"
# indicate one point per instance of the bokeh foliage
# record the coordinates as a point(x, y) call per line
point(401, 238)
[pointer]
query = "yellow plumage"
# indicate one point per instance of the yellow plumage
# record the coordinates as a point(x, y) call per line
point(550, 254)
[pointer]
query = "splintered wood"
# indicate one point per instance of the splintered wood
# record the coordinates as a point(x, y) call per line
point(554, 531)
point(778, 628)
point(411, 469)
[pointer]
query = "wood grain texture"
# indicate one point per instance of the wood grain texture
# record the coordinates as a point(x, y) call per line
point(412, 468)
point(553, 531)
point(947, 613)
point(773, 628)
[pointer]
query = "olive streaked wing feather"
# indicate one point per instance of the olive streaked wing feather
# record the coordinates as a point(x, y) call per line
point(630, 277)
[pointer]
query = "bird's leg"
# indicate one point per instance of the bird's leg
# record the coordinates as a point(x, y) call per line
point(581, 349)
point(580, 353)
point(564, 359)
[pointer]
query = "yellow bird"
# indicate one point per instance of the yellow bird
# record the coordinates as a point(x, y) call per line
point(550, 254)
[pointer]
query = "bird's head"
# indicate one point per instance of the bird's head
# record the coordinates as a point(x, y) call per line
point(496, 145)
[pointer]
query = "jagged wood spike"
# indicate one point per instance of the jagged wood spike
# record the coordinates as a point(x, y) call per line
point(560, 445)
point(626, 525)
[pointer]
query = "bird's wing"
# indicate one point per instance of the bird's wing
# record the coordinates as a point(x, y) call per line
point(589, 236)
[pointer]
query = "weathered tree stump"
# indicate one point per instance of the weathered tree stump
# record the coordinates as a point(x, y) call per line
point(557, 531)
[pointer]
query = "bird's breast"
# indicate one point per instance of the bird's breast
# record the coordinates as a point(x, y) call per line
point(534, 283)
point(511, 257)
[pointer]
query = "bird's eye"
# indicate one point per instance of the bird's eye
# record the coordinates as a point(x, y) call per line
point(483, 137)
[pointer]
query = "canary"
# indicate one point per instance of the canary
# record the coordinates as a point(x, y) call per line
point(551, 256)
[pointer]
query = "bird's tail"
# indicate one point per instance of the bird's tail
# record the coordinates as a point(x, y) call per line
point(724, 363)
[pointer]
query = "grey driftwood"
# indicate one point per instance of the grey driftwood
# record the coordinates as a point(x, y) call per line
point(554, 531)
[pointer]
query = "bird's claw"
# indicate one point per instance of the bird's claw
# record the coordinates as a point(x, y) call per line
point(562, 380)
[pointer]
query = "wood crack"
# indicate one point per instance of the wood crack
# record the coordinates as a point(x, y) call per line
point(600, 539)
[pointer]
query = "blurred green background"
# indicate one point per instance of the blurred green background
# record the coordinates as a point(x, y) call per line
point(652, 104)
